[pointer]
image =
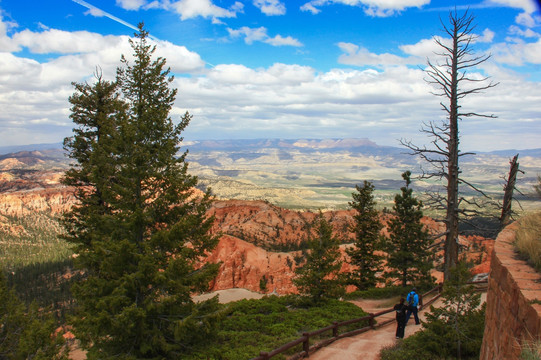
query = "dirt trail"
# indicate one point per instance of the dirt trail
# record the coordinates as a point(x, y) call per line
point(367, 346)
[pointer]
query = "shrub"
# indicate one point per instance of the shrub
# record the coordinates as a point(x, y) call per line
point(251, 326)
point(531, 350)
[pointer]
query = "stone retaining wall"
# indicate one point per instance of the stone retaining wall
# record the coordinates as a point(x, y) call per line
point(513, 308)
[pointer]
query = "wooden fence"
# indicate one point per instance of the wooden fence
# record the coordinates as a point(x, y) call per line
point(431, 295)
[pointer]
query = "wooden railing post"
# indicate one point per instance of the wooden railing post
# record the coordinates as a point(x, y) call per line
point(372, 321)
point(264, 355)
point(335, 329)
point(306, 344)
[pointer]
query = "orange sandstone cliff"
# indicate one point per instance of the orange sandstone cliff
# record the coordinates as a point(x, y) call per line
point(259, 245)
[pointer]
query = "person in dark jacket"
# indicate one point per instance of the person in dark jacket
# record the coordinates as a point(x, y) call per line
point(413, 302)
point(400, 309)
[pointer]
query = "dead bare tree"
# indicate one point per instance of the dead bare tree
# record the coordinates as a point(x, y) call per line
point(453, 82)
point(509, 187)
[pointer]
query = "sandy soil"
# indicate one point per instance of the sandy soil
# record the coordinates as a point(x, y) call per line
point(229, 295)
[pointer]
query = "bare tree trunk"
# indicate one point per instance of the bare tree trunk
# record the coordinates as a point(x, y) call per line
point(509, 187)
point(451, 78)
point(451, 221)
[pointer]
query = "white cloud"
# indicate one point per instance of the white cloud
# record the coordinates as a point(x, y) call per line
point(527, 6)
point(360, 56)
point(189, 9)
point(376, 8)
point(278, 40)
point(424, 48)
point(250, 34)
point(64, 42)
point(96, 12)
point(526, 18)
point(311, 8)
point(260, 34)
point(131, 4)
point(518, 53)
point(86, 50)
point(486, 37)
point(528, 33)
point(6, 43)
point(270, 7)
point(384, 103)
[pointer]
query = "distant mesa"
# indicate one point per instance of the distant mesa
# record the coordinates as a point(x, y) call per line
point(334, 143)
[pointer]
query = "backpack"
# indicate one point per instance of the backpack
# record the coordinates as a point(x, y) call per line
point(411, 298)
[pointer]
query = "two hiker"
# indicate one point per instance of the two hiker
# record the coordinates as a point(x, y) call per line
point(403, 312)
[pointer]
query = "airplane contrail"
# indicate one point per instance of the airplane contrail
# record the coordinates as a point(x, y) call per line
point(112, 17)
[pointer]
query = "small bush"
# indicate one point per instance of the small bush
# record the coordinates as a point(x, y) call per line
point(528, 239)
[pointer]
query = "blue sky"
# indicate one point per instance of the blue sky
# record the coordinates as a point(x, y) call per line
point(275, 68)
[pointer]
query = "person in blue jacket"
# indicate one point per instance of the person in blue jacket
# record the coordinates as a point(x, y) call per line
point(413, 302)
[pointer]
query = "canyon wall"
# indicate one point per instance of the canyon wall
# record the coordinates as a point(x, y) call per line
point(513, 302)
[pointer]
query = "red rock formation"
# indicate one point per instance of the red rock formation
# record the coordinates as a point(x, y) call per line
point(257, 237)
point(243, 265)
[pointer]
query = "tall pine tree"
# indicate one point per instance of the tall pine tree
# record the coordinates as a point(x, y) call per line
point(320, 277)
point(367, 226)
point(408, 255)
point(97, 110)
point(140, 231)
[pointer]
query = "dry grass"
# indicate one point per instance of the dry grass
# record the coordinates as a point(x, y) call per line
point(528, 239)
point(531, 351)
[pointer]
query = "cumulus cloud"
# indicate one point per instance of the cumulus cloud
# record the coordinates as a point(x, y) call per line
point(517, 53)
point(33, 95)
point(278, 40)
point(526, 18)
point(528, 33)
point(360, 56)
point(64, 42)
point(188, 9)
point(386, 102)
point(251, 35)
point(486, 37)
point(6, 43)
point(270, 7)
point(424, 48)
point(376, 8)
point(527, 6)
point(131, 4)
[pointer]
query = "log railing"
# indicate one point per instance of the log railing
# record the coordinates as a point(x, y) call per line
point(431, 295)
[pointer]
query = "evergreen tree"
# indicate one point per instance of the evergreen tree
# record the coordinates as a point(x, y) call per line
point(408, 255)
point(140, 231)
point(98, 111)
point(320, 276)
point(456, 327)
point(25, 333)
point(368, 239)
